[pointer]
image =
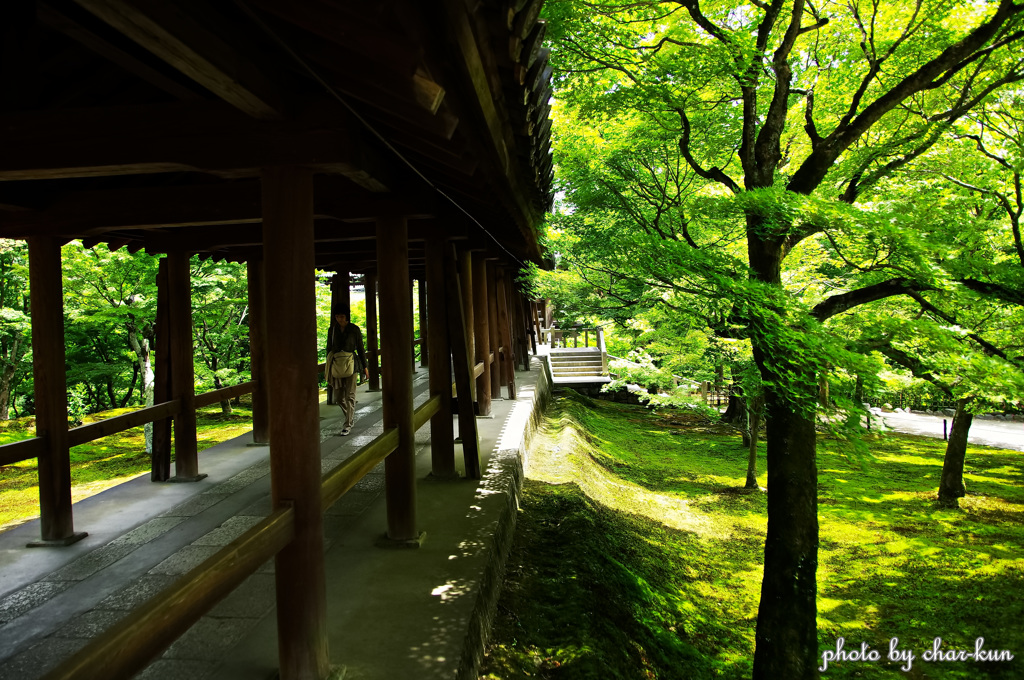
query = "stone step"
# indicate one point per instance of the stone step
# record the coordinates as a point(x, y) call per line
point(577, 362)
point(578, 370)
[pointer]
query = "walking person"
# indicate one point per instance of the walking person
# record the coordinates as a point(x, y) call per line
point(346, 360)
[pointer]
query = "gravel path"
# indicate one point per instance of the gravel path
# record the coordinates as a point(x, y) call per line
point(999, 433)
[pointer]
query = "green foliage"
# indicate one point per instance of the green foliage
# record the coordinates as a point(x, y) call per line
point(659, 211)
point(679, 603)
point(109, 323)
point(220, 323)
point(102, 463)
point(15, 325)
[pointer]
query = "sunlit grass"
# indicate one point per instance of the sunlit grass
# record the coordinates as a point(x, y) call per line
point(103, 463)
point(650, 601)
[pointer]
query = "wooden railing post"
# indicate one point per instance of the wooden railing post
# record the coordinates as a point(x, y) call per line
point(258, 352)
point(288, 254)
point(482, 334)
point(372, 351)
point(46, 290)
point(442, 432)
point(604, 350)
point(183, 384)
point(396, 327)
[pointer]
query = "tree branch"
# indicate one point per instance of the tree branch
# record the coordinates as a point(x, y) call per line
point(846, 301)
point(955, 57)
point(715, 173)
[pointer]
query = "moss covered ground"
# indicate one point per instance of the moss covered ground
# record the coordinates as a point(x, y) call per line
point(637, 555)
point(102, 463)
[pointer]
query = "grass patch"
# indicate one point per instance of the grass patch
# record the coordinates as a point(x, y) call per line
point(596, 592)
point(103, 463)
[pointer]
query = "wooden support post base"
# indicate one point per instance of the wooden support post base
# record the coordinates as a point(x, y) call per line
point(453, 477)
point(401, 543)
point(370, 389)
point(58, 542)
point(336, 673)
point(180, 479)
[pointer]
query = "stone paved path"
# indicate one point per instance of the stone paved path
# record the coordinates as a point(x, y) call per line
point(51, 617)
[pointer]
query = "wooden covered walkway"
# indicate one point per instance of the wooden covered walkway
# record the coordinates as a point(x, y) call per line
point(391, 141)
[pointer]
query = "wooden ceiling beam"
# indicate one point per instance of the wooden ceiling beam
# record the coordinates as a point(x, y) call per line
point(209, 208)
point(197, 48)
point(85, 214)
point(184, 136)
point(63, 22)
point(495, 137)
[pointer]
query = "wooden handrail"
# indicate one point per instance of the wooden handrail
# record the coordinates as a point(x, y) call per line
point(101, 428)
point(224, 393)
point(426, 411)
point(478, 370)
point(133, 642)
point(339, 480)
point(342, 478)
point(26, 449)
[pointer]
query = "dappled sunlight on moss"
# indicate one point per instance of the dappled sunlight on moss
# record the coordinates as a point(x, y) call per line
point(659, 537)
point(103, 463)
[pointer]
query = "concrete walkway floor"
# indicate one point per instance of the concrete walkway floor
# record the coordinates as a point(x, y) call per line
point(409, 613)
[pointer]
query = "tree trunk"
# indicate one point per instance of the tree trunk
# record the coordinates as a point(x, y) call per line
point(225, 404)
point(131, 387)
point(5, 391)
point(7, 376)
point(786, 638)
point(858, 391)
point(951, 486)
point(148, 381)
point(736, 411)
point(753, 430)
point(823, 388)
point(110, 393)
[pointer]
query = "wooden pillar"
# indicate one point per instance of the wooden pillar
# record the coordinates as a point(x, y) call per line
point(463, 364)
point(465, 274)
point(396, 326)
point(492, 326)
point(465, 260)
point(413, 345)
point(372, 356)
point(294, 419)
point(50, 373)
point(183, 379)
point(442, 433)
point(482, 334)
point(537, 325)
point(161, 458)
point(519, 326)
point(341, 297)
point(508, 366)
point(258, 352)
point(424, 323)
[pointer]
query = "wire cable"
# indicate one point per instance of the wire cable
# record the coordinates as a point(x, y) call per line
point(366, 124)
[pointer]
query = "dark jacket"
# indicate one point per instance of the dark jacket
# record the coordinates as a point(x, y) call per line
point(349, 340)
